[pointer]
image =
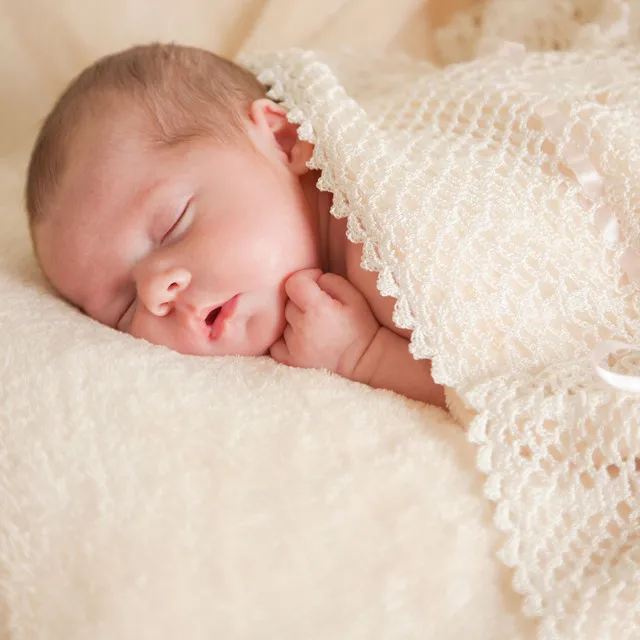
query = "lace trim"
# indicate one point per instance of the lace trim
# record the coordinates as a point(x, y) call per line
point(387, 282)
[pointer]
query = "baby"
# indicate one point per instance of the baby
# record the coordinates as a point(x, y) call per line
point(168, 198)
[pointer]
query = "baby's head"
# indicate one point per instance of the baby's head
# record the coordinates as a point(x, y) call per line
point(168, 198)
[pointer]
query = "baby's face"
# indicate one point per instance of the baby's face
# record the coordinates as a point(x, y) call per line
point(187, 247)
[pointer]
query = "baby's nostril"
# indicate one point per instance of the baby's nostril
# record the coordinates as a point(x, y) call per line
point(173, 286)
point(211, 317)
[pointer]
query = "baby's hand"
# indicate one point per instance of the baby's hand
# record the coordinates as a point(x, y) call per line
point(329, 324)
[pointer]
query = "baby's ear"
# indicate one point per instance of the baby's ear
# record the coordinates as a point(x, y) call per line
point(272, 128)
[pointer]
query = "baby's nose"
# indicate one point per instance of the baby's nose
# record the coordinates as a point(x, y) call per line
point(159, 291)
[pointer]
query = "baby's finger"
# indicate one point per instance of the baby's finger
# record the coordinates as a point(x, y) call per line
point(303, 290)
point(339, 289)
point(293, 314)
point(280, 352)
point(287, 336)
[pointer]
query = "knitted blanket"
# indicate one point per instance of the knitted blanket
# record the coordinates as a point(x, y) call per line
point(497, 201)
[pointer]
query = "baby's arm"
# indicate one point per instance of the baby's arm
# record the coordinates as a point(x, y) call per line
point(388, 364)
point(331, 326)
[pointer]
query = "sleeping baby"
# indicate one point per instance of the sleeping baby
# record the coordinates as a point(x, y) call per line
point(168, 198)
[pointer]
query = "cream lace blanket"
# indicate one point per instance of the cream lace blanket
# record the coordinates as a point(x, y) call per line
point(497, 199)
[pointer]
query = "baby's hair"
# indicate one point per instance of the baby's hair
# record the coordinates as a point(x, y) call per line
point(186, 92)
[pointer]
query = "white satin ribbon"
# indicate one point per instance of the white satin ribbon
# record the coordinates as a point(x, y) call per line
point(592, 183)
point(621, 381)
point(585, 171)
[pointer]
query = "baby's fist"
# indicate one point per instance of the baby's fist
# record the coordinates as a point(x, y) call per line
point(329, 323)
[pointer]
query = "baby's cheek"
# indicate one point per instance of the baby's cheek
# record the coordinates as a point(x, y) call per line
point(280, 250)
point(265, 328)
point(245, 257)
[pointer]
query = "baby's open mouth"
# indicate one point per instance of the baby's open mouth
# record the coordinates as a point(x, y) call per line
point(213, 314)
point(217, 318)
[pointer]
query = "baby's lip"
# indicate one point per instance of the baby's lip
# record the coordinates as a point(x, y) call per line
point(216, 318)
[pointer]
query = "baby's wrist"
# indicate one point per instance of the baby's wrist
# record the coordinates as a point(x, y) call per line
point(369, 361)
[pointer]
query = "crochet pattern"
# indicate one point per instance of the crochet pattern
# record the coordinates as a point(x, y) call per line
point(497, 199)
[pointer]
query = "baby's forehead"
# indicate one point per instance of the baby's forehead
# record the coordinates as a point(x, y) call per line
point(103, 168)
point(103, 147)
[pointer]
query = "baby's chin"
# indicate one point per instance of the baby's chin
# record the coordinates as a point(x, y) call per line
point(255, 338)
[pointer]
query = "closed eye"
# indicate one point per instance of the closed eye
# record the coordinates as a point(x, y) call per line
point(181, 224)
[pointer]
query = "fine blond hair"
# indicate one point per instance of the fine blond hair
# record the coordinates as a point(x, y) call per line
point(186, 92)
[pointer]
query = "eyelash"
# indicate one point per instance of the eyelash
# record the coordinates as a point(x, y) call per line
point(177, 223)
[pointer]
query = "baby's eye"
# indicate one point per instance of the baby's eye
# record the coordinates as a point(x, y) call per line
point(181, 224)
